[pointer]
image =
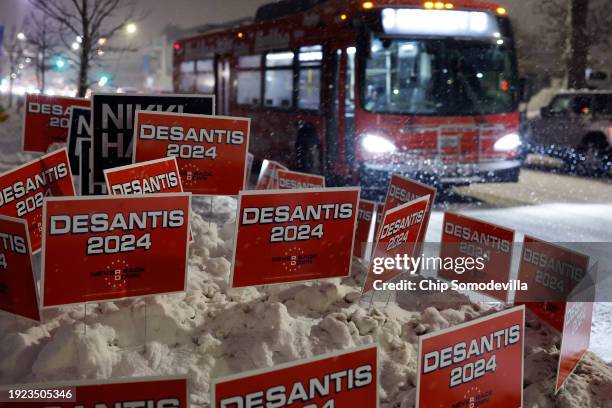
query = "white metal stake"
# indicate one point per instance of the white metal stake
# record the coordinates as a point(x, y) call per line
point(211, 212)
point(16, 321)
point(145, 324)
point(388, 299)
point(85, 319)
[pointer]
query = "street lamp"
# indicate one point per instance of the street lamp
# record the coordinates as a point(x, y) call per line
point(21, 36)
point(75, 46)
point(130, 28)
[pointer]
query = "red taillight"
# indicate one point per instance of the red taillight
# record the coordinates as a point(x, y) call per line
point(177, 46)
point(505, 86)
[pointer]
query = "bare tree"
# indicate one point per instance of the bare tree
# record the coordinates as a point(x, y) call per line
point(43, 37)
point(94, 22)
point(14, 46)
point(575, 27)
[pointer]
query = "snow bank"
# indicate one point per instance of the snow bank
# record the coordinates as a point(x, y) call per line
point(213, 331)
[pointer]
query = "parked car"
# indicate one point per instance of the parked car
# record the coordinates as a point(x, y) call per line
point(576, 127)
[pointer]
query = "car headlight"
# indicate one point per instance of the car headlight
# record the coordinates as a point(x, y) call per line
point(508, 142)
point(377, 144)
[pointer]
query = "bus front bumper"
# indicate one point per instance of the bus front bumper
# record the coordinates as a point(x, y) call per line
point(375, 175)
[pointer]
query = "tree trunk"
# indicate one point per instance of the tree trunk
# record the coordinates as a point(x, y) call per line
point(577, 47)
point(85, 48)
point(10, 92)
point(83, 73)
point(43, 68)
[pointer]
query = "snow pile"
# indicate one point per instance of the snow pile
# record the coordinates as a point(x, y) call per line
point(212, 330)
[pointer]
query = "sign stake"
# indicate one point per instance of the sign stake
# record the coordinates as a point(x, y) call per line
point(211, 212)
point(85, 319)
point(388, 299)
point(16, 321)
point(145, 324)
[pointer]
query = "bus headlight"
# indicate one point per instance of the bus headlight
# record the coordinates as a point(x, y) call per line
point(377, 144)
point(507, 143)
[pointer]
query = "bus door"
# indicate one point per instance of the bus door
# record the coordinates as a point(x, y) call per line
point(336, 115)
point(223, 86)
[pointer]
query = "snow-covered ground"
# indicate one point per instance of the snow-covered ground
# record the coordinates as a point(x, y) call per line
point(213, 331)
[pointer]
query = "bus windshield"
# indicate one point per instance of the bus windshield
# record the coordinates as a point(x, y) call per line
point(439, 77)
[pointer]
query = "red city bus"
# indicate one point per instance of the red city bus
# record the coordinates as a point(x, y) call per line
point(356, 90)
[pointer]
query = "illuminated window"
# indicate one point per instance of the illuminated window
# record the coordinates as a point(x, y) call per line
point(249, 87)
point(278, 86)
point(248, 80)
point(187, 76)
point(249, 61)
point(309, 80)
point(205, 76)
point(188, 66)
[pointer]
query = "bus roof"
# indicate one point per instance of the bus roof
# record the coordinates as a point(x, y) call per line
point(283, 8)
point(277, 20)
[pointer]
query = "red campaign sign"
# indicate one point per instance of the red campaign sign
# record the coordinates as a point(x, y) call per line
point(153, 392)
point(400, 229)
point(211, 151)
point(294, 235)
point(17, 285)
point(249, 167)
point(474, 364)
point(340, 379)
point(551, 272)
point(380, 210)
point(23, 189)
point(154, 176)
point(365, 215)
point(465, 237)
point(267, 175)
point(118, 246)
point(575, 339)
point(287, 179)
point(379, 215)
point(402, 190)
point(47, 119)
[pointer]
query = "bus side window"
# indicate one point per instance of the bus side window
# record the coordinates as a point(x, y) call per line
point(278, 88)
point(187, 78)
point(205, 76)
point(309, 80)
point(249, 80)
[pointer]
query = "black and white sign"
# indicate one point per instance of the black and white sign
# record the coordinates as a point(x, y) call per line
point(79, 128)
point(113, 123)
point(86, 185)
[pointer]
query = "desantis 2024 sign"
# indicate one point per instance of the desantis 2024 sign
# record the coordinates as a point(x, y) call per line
point(145, 392)
point(294, 235)
point(103, 248)
point(474, 364)
point(23, 189)
point(346, 379)
point(17, 287)
point(46, 120)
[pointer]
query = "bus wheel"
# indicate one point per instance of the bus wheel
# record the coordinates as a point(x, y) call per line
point(308, 153)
